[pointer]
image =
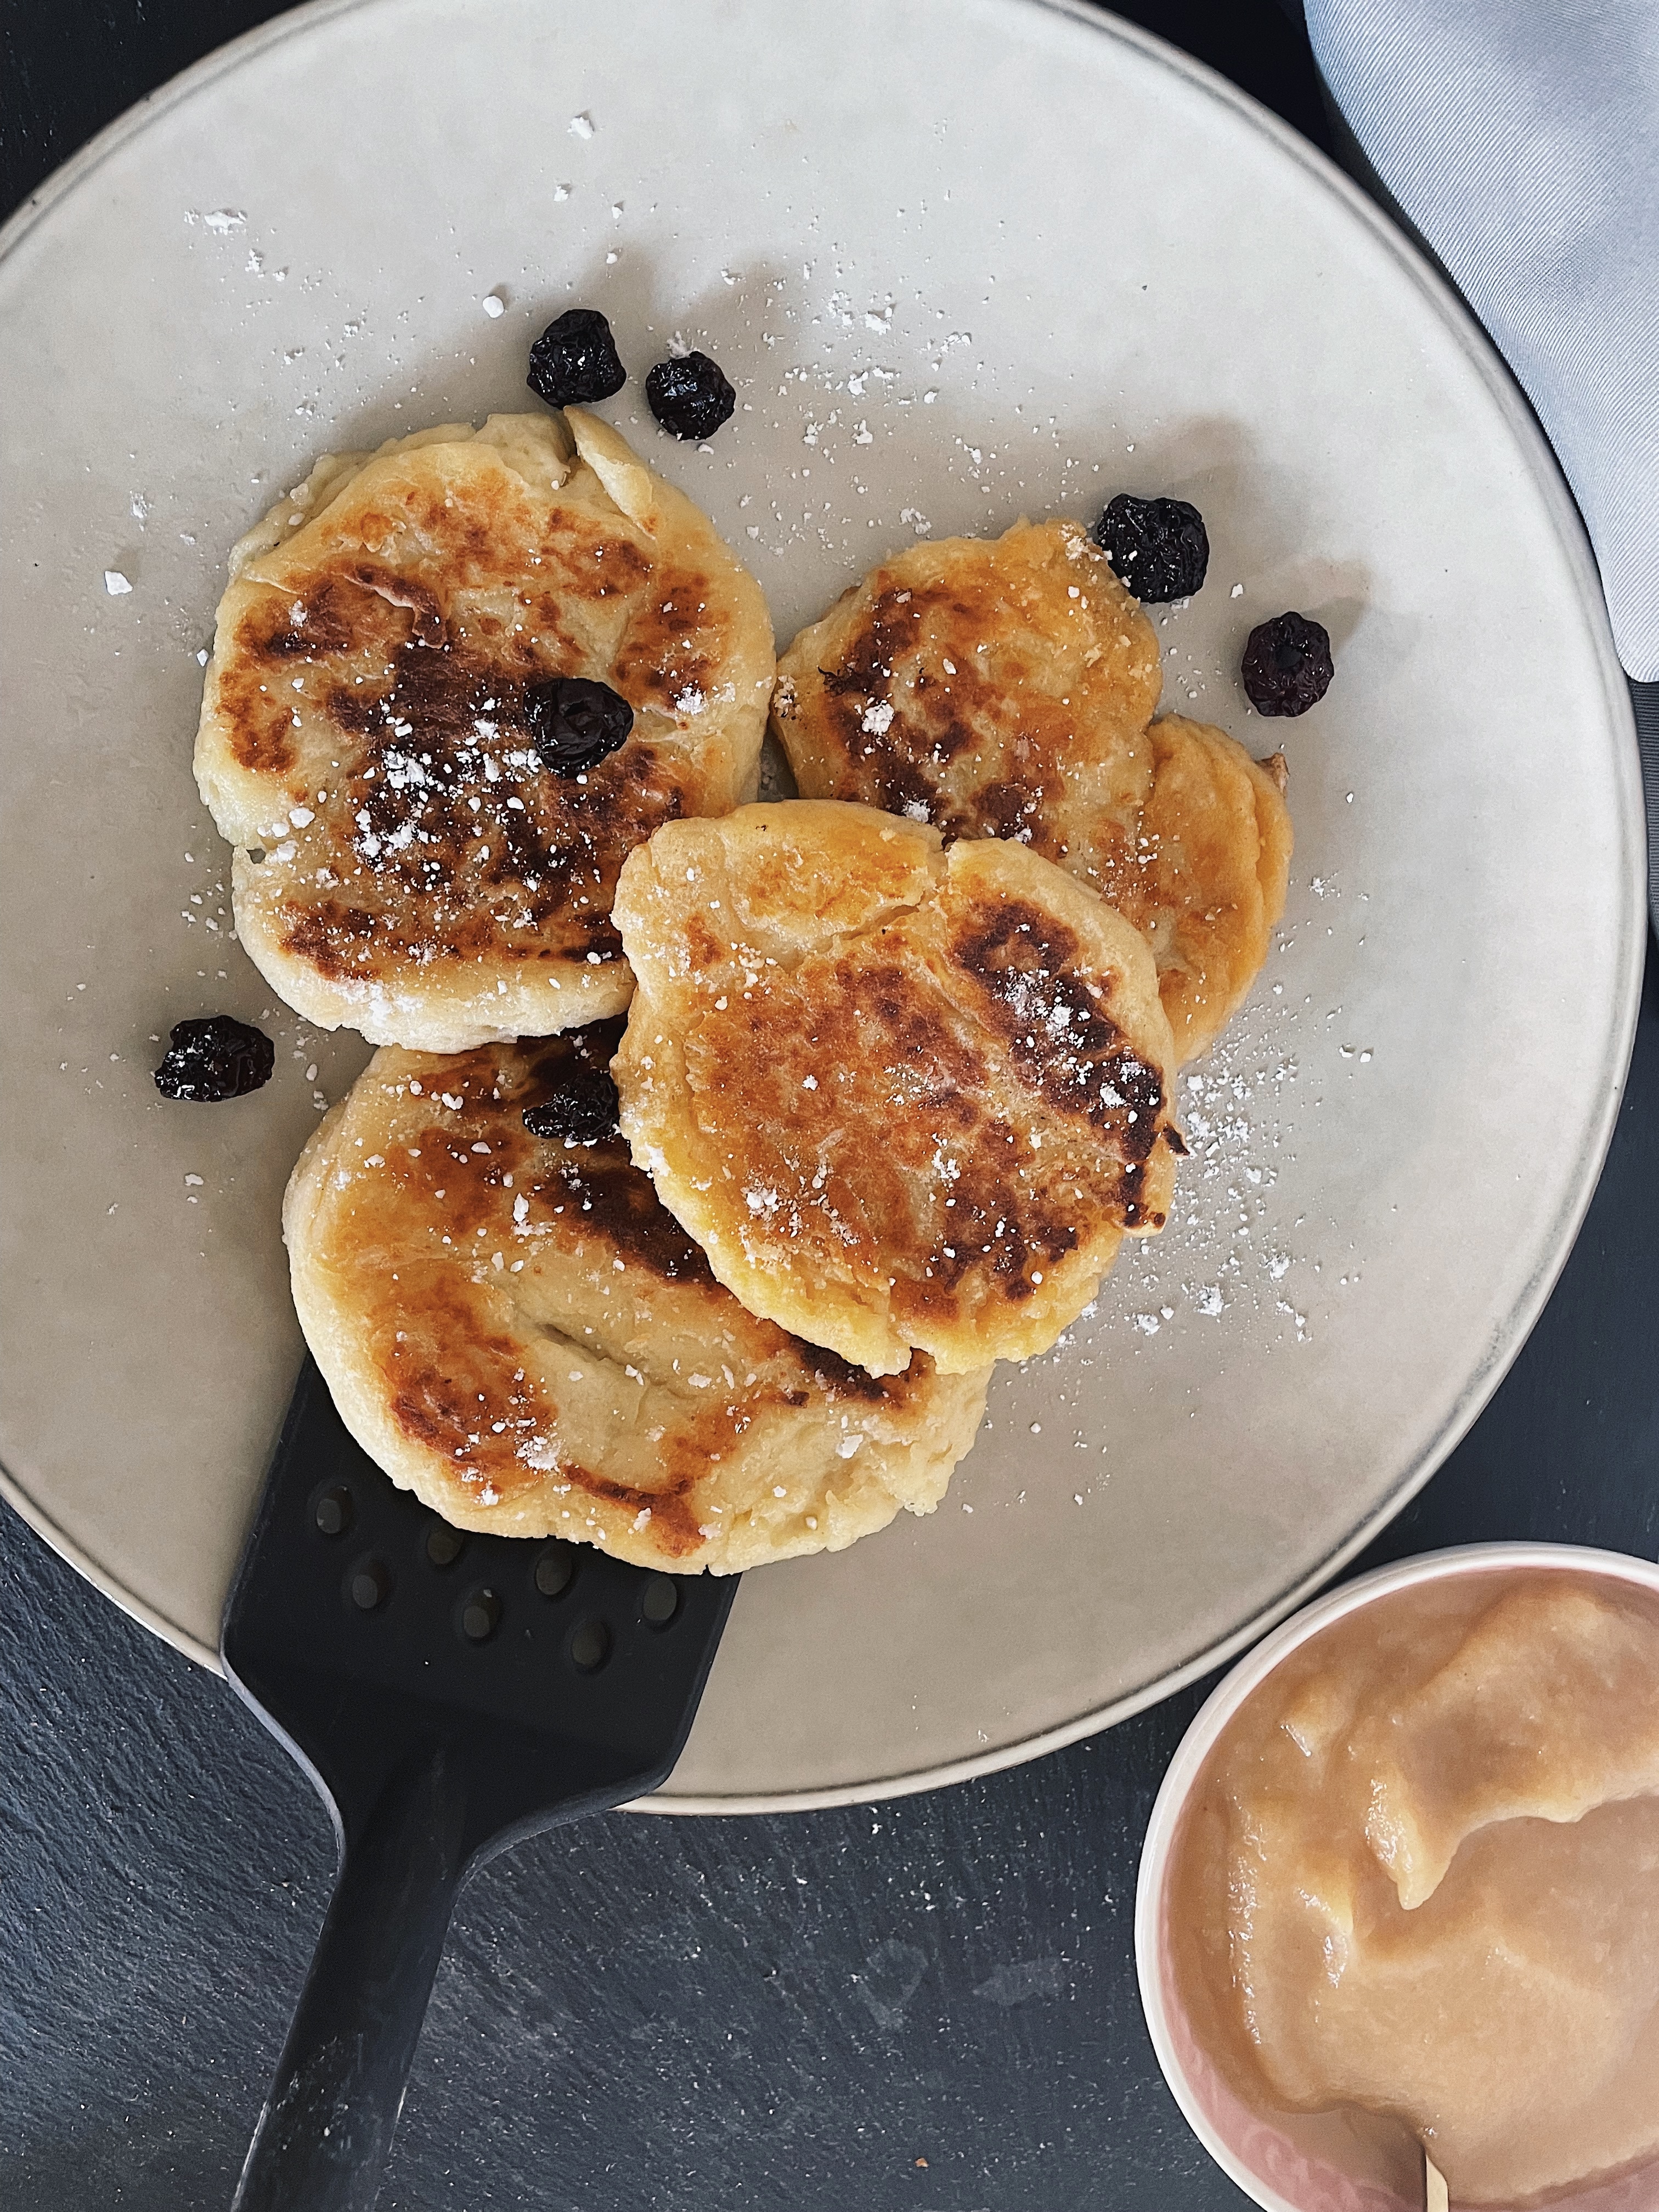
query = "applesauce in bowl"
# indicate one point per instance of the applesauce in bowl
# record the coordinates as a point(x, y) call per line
point(1400, 1891)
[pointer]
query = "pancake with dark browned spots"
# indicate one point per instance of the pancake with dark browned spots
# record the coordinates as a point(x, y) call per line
point(514, 1328)
point(901, 1097)
point(1003, 688)
point(408, 863)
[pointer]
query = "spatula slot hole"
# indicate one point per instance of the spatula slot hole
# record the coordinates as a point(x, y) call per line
point(590, 1647)
point(331, 1510)
point(660, 1600)
point(480, 1615)
point(555, 1569)
point(444, 1545)
point(369, 1585)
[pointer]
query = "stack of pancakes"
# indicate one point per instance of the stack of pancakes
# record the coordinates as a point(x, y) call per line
point(724, 1281)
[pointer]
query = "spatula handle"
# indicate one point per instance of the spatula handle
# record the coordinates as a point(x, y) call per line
point(323, 2137)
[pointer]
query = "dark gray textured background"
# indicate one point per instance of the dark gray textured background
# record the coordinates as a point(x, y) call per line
point(637, 2015)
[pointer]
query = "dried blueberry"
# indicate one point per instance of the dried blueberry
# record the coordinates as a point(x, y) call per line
point(576, 722)
point(1159, 547)
point(218, 1057)
point(575, 358)
point(690, 396)
point(583, 1109)
point(1287, 665)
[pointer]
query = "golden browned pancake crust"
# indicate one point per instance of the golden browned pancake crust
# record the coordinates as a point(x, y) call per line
point(900, 1097)
point(1002, 688)
point(513, 1328)
point(1206, 879)
point(425, 876)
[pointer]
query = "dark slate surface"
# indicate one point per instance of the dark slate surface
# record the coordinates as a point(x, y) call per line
point(925, 2007)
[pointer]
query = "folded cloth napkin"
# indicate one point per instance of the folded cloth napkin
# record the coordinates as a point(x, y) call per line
point(1520, 138)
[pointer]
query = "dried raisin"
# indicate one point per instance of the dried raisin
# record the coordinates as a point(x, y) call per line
point(1159, 548)
point(214, 1057)
point(582, 1111)
point(1287, 665)
point(690, 396)
point(575, 722)
point(575, 359)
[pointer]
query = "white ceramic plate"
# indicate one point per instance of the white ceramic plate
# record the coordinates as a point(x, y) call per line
point(967, 259)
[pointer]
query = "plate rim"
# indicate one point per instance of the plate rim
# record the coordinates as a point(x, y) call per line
point(1446, 307)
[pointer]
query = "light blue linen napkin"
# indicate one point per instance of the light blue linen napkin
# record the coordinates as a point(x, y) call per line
point(1521, 139)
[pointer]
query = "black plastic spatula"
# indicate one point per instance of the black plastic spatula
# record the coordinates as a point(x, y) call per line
point(448, 1694)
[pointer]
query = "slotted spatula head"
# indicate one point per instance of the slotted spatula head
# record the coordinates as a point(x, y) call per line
point(365, 1630)
point(447, 1693)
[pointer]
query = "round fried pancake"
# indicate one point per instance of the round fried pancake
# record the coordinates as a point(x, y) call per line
point(407, 863)
point(514, 1329)
point(900, 1096)
point(1205, 879)
point(1002, 688)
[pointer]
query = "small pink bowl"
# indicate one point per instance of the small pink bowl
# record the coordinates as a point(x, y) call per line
point(1290, 2163)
